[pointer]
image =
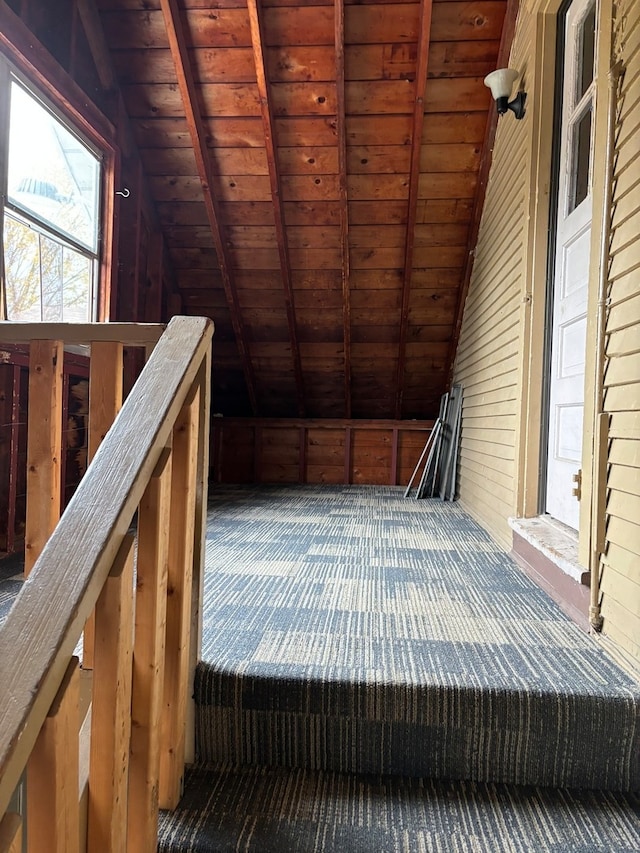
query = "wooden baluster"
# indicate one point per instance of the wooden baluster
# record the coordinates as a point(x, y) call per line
point(111, 711)
point(148, 659)
point(44, 446)
point(200, 536)
point(105, 401)
point(53, 814)
point(11, 833)
point(181, 553)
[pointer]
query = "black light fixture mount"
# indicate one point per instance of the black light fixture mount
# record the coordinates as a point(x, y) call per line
point(501, 83)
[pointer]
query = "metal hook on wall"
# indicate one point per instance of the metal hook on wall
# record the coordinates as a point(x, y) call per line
point(125, 193)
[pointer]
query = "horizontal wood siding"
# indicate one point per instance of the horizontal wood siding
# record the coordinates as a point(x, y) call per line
point(620, 586)
point(487, 361)
point(316, 451)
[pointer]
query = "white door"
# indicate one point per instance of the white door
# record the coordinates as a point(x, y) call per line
point(573, 232)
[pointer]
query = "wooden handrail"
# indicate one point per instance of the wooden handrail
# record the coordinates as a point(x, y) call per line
point(129, 334)
point(42, 629)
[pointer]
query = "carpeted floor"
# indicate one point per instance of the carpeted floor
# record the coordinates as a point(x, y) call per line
point(260, 810)
point(351, 629)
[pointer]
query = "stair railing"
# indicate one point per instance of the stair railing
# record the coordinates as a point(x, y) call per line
point(95, 780)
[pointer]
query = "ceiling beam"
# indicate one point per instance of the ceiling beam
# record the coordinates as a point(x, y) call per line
point(184, 73)
point(506, 40)
point(414, 179)
point(257, 42)
point(341, 128)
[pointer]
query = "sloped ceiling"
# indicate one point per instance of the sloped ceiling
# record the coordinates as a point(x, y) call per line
point(315, 167)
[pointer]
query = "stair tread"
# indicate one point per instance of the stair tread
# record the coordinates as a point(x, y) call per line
point(274, 810)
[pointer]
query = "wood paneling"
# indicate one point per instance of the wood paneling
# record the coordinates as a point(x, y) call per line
point(325, 193)
point(316, 451)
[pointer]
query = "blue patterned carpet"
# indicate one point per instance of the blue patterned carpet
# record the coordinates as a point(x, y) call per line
point(350, 629)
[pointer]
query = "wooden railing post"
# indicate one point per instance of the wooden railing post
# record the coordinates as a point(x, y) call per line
point(11, 833)
point(44, 446)
point(181, 551)
point(53, 814)
point(105, 400)
point(111, 710)
point(148, 659)
point(200, 536)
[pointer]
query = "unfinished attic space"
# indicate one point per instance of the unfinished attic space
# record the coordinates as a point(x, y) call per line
point(319, 432)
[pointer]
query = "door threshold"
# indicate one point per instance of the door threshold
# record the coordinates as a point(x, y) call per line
point(547, 551)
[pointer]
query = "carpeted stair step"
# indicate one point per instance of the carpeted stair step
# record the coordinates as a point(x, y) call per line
point(348, 629)
point(273, 810)
point(558, 738)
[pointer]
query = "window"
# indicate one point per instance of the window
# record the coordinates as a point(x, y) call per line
point(51, 214)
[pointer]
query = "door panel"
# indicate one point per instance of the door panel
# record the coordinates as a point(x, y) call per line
point(571, 267)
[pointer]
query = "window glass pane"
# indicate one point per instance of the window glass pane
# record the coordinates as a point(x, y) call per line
point(45, 280)
point(581, 157)
point(77, 276)
point(586, 52)
point(22, 271)
point(52, 175)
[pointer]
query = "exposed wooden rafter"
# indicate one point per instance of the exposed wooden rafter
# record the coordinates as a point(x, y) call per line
point(414, 178)
point(90, 18)
point(508, 31)
point(257, 41)
point(341, 129)
point(179, 53)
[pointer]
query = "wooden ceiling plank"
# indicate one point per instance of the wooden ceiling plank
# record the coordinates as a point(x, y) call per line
point(341, 131)
point(258, 42)
point(186, 83)
point(508, 31)
point(414, 180)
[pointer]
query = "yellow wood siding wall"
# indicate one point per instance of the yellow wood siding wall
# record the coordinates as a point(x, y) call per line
point(488, 357)
point(621, 562)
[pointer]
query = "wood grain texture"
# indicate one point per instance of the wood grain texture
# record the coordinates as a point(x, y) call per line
point(53, 814)
point(179, 605)
point(11, 833)
point(44, 446)
point(148, 658)
point(111, 708)
point(76, 560)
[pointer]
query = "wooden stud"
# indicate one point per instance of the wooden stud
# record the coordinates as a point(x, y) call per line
point(92, 26)
point(347, 456)
point(155, 268)
point(257, 455)
point(11, 833)
point(341, 127)
point(257, 40)
point(302, 455)
point(154, 525)
point(53, 815)
point(111, 710)
point(394, 457)
point(414, 181)
point(13, 459)
point(178, 605)
point(64, 437)
point(177, 42)
point(105, 400)
point(44, 446)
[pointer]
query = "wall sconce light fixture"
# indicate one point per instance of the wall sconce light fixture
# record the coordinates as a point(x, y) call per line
point(501, 83)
